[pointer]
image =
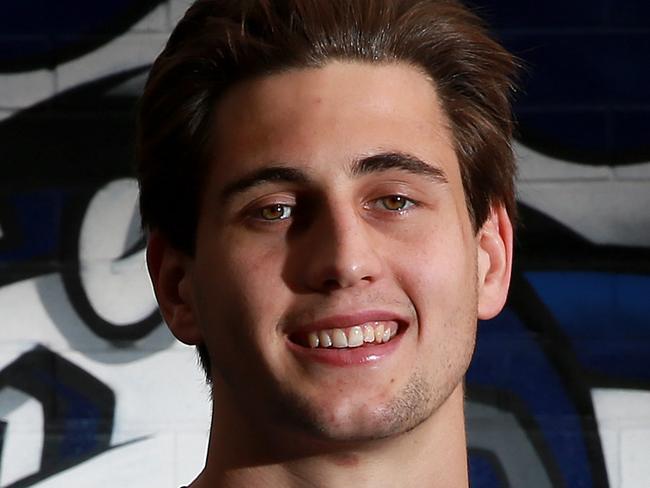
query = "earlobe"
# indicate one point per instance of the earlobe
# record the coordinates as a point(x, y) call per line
point(494, 262)
point(170, 269)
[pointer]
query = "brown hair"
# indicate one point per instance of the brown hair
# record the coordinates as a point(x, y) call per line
point(220, 42)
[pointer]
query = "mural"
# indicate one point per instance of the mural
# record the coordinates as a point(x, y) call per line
point(560, 380)
point(93, 387)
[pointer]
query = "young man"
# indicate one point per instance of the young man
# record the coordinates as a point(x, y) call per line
point(328, 189)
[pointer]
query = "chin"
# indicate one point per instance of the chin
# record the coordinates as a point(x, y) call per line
point(356, 419)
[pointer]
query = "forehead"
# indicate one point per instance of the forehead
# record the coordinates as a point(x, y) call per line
point(329, 115)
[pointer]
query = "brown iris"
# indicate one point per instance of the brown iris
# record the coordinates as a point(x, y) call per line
point(395, 202)
point(275, 212)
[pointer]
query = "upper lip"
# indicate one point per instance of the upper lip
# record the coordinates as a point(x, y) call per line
point(344, 320)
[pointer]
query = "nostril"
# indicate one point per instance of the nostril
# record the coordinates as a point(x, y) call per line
point(331, 284)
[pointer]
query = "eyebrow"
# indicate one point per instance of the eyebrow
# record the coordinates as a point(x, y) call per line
point(270, 174)
point(401, 161)
point(377, 163)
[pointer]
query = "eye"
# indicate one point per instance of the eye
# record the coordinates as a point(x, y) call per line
point(277, 211)
point(395, 203)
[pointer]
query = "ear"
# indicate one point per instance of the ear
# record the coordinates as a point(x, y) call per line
point(494, 262)
point(170, 271)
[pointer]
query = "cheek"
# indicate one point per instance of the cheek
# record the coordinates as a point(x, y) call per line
point(440, 279)
point(437, 258)
point(241, 285)
point(441, 285)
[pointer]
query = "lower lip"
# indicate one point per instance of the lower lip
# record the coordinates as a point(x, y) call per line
point(350, 356)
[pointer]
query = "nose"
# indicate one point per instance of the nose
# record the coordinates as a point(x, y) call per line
point(340, 251)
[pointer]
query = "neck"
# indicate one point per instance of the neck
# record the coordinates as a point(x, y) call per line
point(434, 454)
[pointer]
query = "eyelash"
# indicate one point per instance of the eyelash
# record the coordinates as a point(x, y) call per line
point(283, 207)
point(408, 203)
point(287, 209)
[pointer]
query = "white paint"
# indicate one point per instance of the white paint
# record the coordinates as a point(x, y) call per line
point(9, 351)
point(622, 407)
point(588, 199)
point(148, 463)
point(635, 449)
point(611, 445)
point(132, 87)
point(188, 460)
point(536, 166)
point(154, 21)
point(163, 391)
point(177, 10)
point(119, 290)
point(23, 440)
point(623, 418)
point(604, 212)
point(5, 114)
point(633, 171)
point(130, 51)
point(20, 90)
point(159, 389)
point(160, 393)
point(27, 323)
point(106, 231)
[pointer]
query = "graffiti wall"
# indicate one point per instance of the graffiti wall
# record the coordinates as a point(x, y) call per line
point(93, 387)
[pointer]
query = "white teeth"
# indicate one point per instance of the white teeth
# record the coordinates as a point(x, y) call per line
point(368, 333)
point(325, 339)
point(339, 339)
point(386, 337)
point(313, 340)
point(355, 336)
point(379, 332)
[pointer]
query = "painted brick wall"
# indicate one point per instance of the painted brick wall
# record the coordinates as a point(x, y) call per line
point(94, 388)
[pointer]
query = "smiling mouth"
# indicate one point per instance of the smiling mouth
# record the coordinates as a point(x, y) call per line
point(366, 334)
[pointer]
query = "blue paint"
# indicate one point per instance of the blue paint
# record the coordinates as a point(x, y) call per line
point(586, 73)
point(584, 129)
point(562, 15)
point(482, 473)
point(630, 130)
point(81, 422)
point(43, 28)
point(509, 359)
point(606, 316)
point(38, 218)
point(60, 19)
point(532, 14)
point(578, 69)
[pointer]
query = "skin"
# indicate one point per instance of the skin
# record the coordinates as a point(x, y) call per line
point(273, 257)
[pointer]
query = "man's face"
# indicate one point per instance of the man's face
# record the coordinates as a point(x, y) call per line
point(334, 201)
